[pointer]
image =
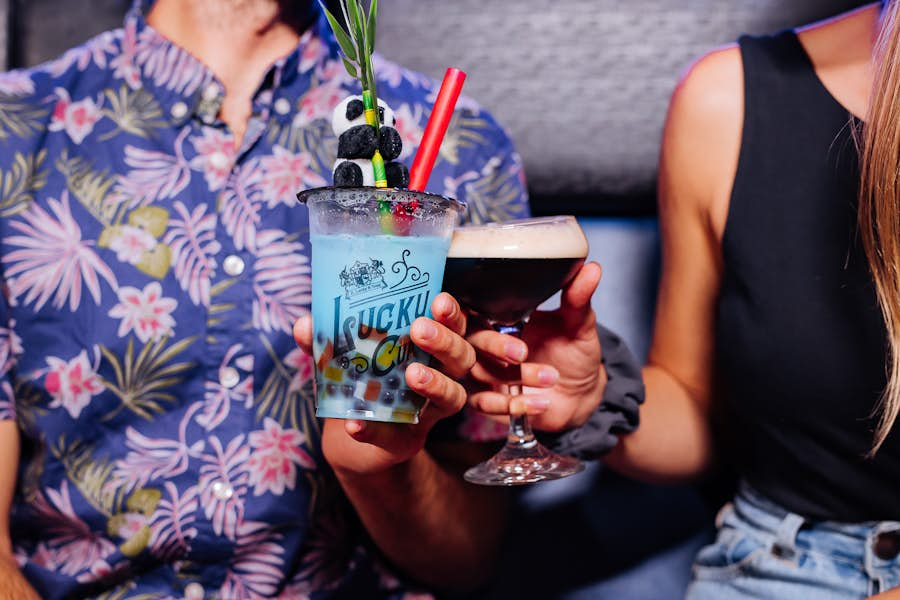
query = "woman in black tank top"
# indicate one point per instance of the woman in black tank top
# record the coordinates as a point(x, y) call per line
point(770, 349)
point(768, 321)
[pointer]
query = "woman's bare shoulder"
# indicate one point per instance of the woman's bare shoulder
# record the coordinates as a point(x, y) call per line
point(702, 137)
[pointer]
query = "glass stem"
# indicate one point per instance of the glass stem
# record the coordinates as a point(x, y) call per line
point(520, 435)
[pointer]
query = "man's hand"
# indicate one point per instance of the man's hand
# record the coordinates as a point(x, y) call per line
point(563, 353)
point(367, 447)
point(405, 496)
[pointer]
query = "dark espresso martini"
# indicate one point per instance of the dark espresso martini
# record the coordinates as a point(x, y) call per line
point(501, 272)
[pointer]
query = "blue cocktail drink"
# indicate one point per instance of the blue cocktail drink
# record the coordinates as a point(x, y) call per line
point(362, 310)
point(378, 261)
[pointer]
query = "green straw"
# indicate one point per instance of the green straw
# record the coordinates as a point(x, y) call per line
point(384, 207)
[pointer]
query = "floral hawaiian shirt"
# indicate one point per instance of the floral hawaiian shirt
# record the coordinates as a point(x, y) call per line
point(152, 271)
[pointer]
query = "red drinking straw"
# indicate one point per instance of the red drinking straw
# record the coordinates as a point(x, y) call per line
point(435, 129)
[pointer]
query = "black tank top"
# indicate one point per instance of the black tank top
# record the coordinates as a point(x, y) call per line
point(800, 338)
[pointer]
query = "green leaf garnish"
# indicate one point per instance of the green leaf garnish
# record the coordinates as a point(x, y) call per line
point(370, 27)
point(355, 22)
point(343, 39)
point(357, 43)
point(351, 68)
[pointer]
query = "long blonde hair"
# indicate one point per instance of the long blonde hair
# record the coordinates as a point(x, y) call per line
point(879, 202)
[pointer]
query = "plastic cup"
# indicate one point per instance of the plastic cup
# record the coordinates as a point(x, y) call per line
point(377, 263)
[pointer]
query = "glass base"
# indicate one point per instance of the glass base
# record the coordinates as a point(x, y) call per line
point(519, 464)
point(385, 414)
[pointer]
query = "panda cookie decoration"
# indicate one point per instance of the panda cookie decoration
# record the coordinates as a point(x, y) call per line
point(358, 142)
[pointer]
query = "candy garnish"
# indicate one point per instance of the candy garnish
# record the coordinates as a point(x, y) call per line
point(357, 42)
point(403, 214)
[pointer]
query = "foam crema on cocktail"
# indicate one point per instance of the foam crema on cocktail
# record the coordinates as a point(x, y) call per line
point(370, 282)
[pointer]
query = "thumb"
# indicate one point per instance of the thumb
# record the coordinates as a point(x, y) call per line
point(575, 304)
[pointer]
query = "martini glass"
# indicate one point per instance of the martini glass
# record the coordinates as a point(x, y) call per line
point(500, 273)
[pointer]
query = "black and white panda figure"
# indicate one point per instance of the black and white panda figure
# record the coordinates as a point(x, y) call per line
point(357, 145)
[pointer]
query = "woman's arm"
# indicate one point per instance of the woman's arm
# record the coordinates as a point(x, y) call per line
point(698, 162)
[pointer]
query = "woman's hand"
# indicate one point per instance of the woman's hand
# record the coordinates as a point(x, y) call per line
point(559, 355)
point(367, 447)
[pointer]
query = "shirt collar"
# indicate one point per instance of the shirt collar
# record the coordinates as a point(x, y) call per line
point(186, 88)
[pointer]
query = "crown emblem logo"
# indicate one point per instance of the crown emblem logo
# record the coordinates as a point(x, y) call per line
point(361, 277)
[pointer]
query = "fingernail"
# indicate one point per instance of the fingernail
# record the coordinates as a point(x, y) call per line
point(426, 330)
point(536, 404)
point(451, 308)
point(356, 427)
point(445, 307)
point(515, 351)
point(420, 374)
point(547, 376)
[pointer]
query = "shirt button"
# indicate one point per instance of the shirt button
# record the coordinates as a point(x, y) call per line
point(222, 491)
point(282, 106)
point(179, 110)
point(218, 160)
point(211, 92)
point(229, 377)
point(193, 591)
point(233, 265)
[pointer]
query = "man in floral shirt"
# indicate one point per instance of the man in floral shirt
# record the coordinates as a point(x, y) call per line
point(156, 416)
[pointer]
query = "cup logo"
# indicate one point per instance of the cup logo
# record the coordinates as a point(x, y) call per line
point(360, 278)
point(416, 277)
point(373, 307)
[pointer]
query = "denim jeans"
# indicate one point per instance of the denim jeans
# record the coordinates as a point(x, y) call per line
point(765, 551)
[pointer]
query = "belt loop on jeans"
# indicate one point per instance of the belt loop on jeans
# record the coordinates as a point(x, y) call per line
point(882, 546)
point(785, 545)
